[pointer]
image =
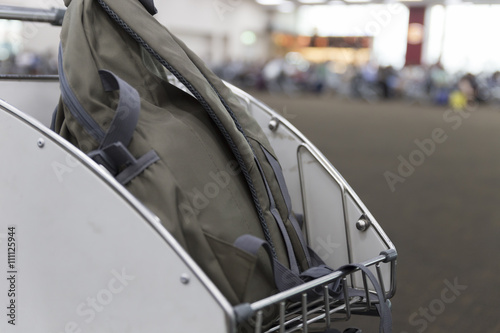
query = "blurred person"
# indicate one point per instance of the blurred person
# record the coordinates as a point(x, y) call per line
point(317, 77)
point(494, 87)
point(367, 82)
point(272, 74)
point(28, 63)
point(413, 84)
point(465, 92)
point(333, 79)
point(469, 87)
point(438, 84)
point(387, 81)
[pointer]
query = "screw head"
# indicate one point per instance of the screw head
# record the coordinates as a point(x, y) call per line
point(185, 278)
point(362, 224)
point(273, 124)
point(40, 143)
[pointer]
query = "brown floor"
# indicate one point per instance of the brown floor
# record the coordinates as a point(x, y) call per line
point(443, 217)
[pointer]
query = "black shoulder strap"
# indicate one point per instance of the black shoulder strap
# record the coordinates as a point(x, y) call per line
point(150, 6)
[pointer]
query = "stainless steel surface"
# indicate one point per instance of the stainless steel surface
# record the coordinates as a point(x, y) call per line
point(326, 295)
point(19, 132)
point(43, 97)
point(367, 292)
point(305, 326)
point(381, 280)
point(309, 285)
point(282, 317)
point(52, 16)
point(258, 322)
point(24, 78)
point(346, 296)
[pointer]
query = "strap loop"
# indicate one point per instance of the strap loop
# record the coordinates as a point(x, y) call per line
point(113, 153)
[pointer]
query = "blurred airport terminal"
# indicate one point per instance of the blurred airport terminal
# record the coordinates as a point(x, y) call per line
point(436, 51)
point(367, 81)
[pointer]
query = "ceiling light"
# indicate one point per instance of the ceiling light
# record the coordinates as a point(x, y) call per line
point(312, 1)
point(270, 2)
point(286, 7)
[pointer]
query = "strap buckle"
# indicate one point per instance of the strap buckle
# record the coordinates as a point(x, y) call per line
point(113, 157)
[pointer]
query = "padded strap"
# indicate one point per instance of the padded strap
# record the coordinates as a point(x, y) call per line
point(284, 278)
point(150, 6)
point(112, 152)
point(288, 201)
point(276, 214)
point(127, 112)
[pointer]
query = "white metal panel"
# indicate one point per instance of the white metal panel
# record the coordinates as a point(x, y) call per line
point(365, 244)
point(324, 211)
point(42, 101)
point(330, 207)
point(285, 145)
point(86, 259)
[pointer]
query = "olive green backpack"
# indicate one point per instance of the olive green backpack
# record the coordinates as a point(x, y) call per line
point(198, 161)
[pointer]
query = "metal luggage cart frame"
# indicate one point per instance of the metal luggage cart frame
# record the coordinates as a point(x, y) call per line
point(306, 312)
point(298, 316)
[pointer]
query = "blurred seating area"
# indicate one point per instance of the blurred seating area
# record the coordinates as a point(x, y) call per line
point(293, 75)
point(29, 63)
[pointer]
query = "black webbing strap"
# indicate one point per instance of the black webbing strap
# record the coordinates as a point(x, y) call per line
point(284, 278)
point(150, 6)
point(383, 304)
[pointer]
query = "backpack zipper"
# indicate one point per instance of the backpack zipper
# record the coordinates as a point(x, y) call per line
point(74, 106)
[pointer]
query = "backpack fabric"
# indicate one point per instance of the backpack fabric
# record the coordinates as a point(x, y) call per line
point(187, 158)
point(198, 161)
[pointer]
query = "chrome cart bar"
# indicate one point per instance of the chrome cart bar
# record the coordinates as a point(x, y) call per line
point(53, 16)
point(22, 77)
point(307, 313)
point(283, 296)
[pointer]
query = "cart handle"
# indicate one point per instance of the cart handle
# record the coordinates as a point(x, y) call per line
point(53, 16)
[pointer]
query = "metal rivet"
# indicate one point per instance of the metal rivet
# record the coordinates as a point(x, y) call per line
point(362, 224)
point(40, 143)
point(273, 124)
point(185, 278)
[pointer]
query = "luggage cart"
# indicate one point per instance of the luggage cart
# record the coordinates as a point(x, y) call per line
point(81, 254)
